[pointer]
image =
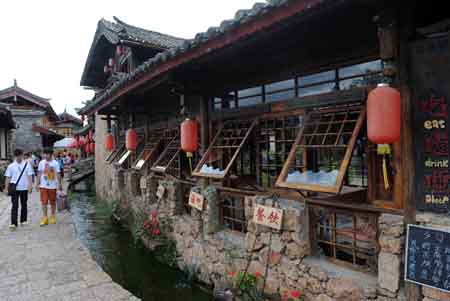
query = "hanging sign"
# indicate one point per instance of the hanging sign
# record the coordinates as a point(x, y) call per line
point(196, 200)
point(143, 183)
point(428, 257)
point(268, 216)
point(160, 192)
point(431, 105)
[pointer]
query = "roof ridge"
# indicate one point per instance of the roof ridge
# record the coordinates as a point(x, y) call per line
point(122, 23)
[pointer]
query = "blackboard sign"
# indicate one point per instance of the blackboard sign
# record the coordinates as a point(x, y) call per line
point(431, 104)
point(428, 257)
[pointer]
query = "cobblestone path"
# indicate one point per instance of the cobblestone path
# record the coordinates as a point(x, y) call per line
point(49, 263)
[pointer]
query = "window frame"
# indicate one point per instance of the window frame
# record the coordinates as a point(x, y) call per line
point(197, 171)
point(222, 208)
point(112, 157)
point(173, 139)
point(355, 248)
point(281, 181)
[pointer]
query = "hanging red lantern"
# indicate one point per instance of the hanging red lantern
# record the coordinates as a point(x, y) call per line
point(87, 148)
point(189, 136)
point(383, 115)
point(109, 142)
point(118, 50)
point(131, 141)
point(92, 147)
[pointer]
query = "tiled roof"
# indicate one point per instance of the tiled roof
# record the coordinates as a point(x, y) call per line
point(44, 131)
point(259, 10)
point(139, 35)
point(115, 32)
point(18, 91)
point(69, 117)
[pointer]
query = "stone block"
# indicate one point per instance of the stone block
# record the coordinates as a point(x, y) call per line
point(392, 245)
point(318, 273)
point(291, 219)
point(435, 294)
point(276, 244)
point(314, 285)
point(344, 289)
point(388, 271)
point(297, 251)
point(323, 297)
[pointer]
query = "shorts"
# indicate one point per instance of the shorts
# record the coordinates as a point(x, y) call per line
point(48, 195)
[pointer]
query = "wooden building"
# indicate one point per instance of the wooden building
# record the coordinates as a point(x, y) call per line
point(67, 124)
point(279, 94)
point(6, 124)
point(34, 118)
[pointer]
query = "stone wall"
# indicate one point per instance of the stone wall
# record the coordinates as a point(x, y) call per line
point(23, 137)
point(106, 184)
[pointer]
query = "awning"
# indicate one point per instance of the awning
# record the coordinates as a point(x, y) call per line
point(64, 143)
point(45, 131)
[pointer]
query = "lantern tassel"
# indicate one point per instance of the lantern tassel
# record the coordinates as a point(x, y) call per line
point(384, 149)
point(189, 156)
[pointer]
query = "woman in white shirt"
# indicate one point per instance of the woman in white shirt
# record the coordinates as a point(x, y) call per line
point(23, 187)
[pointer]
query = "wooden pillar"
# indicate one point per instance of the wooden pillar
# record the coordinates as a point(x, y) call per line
point(408, 154)
point(204, 130)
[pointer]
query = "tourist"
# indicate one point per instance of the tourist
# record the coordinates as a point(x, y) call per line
point(48, 180)
point(60, 161)
point(30, 161)
point(18, 184)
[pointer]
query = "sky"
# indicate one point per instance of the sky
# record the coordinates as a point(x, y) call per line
point(44, 44)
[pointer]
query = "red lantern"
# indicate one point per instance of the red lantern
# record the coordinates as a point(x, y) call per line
point(92, 147)
point(189, 136)
point(383, 115)
point(109, 142)
point(87, 148)
point(131, 141)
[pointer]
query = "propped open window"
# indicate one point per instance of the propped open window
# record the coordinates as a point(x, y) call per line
point(224, 149)
point(169, 160)
point(123, 158)
point(151, 150)
point(326, 144)
point(113, 156)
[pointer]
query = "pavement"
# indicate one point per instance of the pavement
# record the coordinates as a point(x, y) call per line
point(49, 263)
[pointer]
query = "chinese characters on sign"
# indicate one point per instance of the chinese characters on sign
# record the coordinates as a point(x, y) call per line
point(268, 216)
point(196, 200)
point(428, 257)
point(431, 65)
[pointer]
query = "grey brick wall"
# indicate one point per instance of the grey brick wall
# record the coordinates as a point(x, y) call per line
point(23, 137)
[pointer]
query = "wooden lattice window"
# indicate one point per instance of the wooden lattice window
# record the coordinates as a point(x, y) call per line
point(346, 237)
point(151, 149)
point(224, 149)
point(169, 160)
point(113, 156)
point(232, 211)
point(124, 158)
point(326, 142)
point(275, 136)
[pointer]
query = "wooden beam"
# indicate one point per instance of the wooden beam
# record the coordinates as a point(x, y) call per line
point(407, 146)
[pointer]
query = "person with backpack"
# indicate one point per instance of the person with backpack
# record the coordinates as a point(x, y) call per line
point(18, 184)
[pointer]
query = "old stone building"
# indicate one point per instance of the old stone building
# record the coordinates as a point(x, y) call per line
point(279, 94)
point(34, 118)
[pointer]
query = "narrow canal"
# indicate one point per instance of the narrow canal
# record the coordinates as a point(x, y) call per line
point(129, 264)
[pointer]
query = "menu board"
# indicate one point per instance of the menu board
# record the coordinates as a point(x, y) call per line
point(428, 257)
point(431, 94)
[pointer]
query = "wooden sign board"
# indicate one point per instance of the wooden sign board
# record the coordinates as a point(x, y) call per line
point(143, 183)
point(431, 103)
point(428, 257)
point(160, 192)
point(268, 216)
point(196, 200)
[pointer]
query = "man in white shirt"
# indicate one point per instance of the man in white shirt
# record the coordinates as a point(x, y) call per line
point(48, 181)
point(23, 185)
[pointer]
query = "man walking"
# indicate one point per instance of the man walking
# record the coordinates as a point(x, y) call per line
point(48, 180)
point(18, 184)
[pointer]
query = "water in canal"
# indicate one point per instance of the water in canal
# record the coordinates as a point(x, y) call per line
point(129, 264)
